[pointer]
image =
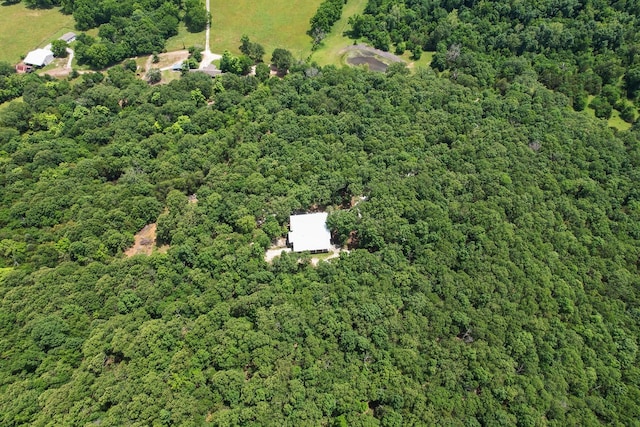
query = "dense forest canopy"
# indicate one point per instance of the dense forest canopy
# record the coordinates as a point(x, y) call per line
point(578, 47)
point(492, 278)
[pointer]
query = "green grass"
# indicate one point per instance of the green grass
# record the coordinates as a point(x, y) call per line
point(22, 29)
point(615, 121)
point(423, 62)
point(329, 53)
point(275, 23)
point(184, 39)
point(169, 76)
point(332, 45)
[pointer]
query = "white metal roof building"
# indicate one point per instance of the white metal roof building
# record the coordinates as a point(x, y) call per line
point(68, 37)
point(39, 57)
point(309, 232)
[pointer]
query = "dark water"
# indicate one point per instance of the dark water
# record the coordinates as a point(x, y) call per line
point(373, 63)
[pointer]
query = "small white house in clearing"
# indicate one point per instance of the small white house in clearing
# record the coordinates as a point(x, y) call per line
point(309, 232)
point(39, 57)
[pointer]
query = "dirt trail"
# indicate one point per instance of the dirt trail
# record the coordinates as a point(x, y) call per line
point(207, 56)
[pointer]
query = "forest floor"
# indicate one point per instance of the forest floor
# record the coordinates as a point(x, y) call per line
point(145, 242)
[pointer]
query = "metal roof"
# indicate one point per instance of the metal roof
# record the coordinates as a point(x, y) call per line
point(309, 232)
point(39, 57)
point(68, 37)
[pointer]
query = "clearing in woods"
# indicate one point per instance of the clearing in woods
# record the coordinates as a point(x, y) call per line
point(336, 41)
point(275, 23)
point(23, 29)
point(184, 39)
point(145, 242)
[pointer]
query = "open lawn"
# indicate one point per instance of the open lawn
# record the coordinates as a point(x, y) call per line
point(169, 76)
point(616, 121)
point(274, 23)
point(423, 62)
point(185, 39)
point(22, 29)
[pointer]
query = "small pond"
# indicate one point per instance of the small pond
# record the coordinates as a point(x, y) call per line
point(374, 63)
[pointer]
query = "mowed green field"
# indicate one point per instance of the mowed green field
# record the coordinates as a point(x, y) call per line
point(185, 39)
point(272, 23)
point(22, 29)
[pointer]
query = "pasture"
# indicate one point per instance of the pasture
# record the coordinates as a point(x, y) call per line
point(275, 23)
point(23, 29)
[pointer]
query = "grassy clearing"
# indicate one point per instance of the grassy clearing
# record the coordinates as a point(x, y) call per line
point(423, 62)
point(615, 121)
point(169, 76)
point(275, 23)
point(184, 39)
point(329, 53)
point(22, 29)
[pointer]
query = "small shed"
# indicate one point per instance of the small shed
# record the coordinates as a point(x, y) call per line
point(39, 57)
point(68, 37)
point(23, 68)
point(309, 232)
point(177, 66)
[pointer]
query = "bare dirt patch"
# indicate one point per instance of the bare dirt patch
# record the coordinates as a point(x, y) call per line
point(57, 72)
point(334, 252)
point(58, 68)
point(280, 247)
point(170, 58)
point(145, 242)
point(276, 250)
